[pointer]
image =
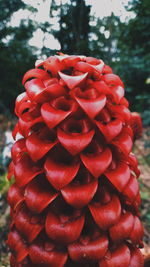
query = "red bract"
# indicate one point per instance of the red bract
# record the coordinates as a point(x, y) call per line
point(136, 124)
point(75, 199)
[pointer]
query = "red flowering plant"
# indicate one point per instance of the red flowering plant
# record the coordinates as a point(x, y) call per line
point(75, 200)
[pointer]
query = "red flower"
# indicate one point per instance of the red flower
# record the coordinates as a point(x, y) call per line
point(75, 199)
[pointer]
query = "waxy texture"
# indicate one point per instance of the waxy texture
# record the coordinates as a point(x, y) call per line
point(75, 200)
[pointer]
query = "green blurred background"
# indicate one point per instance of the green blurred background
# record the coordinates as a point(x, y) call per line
point(117, 31)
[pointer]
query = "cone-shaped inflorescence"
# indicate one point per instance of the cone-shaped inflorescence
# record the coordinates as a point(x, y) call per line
point(75, 199)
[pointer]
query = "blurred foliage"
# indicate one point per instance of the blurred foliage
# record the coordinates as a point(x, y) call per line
point(16, 56)
point(74, 28)
point(123, 45)
point(4, 184)
point(134, 54)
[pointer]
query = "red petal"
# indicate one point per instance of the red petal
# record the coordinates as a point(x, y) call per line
point(137, 259)
point(120, 111)
point(112, 79)
point(46, 257)
point(119, 176)
point(28, 225)
point(133, 163)
point(54, 90)
point(13, 262)
point(128, 130)
point(124, 102)
point(72, 81)
point(37, 91)
point(64, 232)
point(22, 103)
point(124, 142)
point(26, 121)
point(15, 196)
point(37, 147)
point(34, 88)
point(16, 244)
point(76, 125)
point(137, 201)
point(26, 262)
point(89, 67)
point(22, 97)
point(99, 67)
point(91, 106)
point(70, 61)
point(106, 215)
point(58, 174)
point(137, 231)
point(93, 60)
point(102, 87)
point(74, 142)
point(118, 93)
point(136, 125)
point(54, 65)
point(111, 129)
point(10, 170)
point(120, 257)
point(97, 163)
point(93, 250)
point(84, 67)
point(131, 190)
point(107, 69)
point(39, 194)
point(15, 131)
point(80, 195)
point(53, 116)
point(50, 81)
point(35, 73)
point(25, 170)
point(18, 149)
point(122, 229)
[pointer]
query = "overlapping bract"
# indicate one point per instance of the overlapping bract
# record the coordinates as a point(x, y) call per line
point(75, 199)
